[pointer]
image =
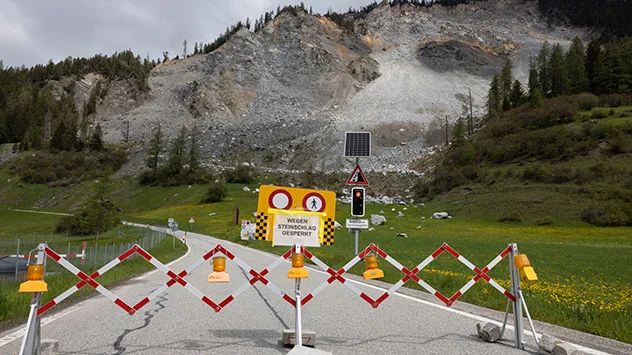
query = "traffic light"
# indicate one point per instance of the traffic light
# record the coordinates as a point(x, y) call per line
point(357, 201)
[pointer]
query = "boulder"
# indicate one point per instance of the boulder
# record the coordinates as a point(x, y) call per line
point(400, 214)
point(377, 220)
point(337, 225)
point(440, 215)
point(403, 235)
point(490, 332)
point(547, 342)
point(563, 348)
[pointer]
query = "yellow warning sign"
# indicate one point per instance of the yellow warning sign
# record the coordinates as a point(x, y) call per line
point(273, 198)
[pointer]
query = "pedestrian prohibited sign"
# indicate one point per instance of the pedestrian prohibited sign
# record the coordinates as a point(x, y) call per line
point(275, 201)
point(314, 202)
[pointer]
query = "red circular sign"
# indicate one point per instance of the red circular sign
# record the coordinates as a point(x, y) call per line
point(314, 202)
point(280, 199)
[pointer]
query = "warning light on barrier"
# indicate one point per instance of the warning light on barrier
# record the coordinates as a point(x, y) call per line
point(34, 277)
point(372, 272)
point(219, 268)
point(298, 270)
point(527, 274)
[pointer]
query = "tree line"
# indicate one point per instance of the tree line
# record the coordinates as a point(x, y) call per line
point(610, 16)
point(30, 114)
point(597, 69)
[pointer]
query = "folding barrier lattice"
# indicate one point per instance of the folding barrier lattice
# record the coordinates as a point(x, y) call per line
point(261, 276)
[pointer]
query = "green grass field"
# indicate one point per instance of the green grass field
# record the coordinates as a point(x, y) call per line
point(584, 271)
point(585, 277)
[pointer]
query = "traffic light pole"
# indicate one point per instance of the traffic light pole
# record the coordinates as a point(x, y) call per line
point(357, 231)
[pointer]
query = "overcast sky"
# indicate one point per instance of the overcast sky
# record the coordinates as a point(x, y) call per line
point(35, 31)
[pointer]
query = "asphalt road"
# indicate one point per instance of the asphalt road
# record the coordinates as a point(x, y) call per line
point(177, 322)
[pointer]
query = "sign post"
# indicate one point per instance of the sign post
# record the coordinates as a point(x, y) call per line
point(357, 144)
point(296, 217)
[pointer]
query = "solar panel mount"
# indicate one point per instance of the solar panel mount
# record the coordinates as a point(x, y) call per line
point(357, 144)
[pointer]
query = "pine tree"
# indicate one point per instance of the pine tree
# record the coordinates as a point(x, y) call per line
point(96, 139)
point(505, 81)
point(544, 79)
point(593, 54)
point(559, 78)
point(194, 158)
point(155, 147)
point(576, 68)
point(533, 77)
point(517, 94)
point(493, 97)
point(176, 153)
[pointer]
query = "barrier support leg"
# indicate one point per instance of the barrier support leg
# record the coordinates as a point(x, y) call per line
point(535, 336)
point(31, 340)
point(502, 331)
point(299, 332)
point(517, 305)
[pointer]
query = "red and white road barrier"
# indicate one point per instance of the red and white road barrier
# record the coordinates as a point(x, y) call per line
point(514, 297)
point(67, 256)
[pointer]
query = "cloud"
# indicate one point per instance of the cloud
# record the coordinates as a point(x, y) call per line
point(35, 31)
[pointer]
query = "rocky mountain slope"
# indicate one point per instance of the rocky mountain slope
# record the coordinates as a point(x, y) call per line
point(283, 97)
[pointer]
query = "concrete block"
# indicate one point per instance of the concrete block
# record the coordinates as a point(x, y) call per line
point(547, 342)
point(301, 350)
point(563, 348)
point(289, 338)
point(49, 347)
point(490, 332)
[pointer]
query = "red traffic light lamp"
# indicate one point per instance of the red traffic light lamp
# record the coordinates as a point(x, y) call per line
point(357, 201)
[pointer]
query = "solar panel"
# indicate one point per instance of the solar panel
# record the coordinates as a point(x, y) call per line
point(357, 144)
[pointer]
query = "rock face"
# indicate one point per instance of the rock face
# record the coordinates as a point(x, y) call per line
point(283, 97)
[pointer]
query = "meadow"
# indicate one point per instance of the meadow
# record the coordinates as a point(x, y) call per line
point(584, 271)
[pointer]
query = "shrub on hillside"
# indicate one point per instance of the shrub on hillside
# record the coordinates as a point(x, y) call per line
point(585, 101)
point(216, 192)
point(445, 179)
point(243, 174)
point(615, 100)
point(66, 167)
point(610, 213)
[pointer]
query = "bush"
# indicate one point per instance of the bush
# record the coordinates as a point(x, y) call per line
point(611, 213)
point(216, 193)
point(615, 100)
point(585, 101)
point(511, 217)
point(66, 168)
point(243, 174)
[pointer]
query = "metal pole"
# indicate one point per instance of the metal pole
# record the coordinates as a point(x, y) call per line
point(530, 320)
point(356, 232)
point(31, 341)
point(517, 306)
point(17, 261)
point(298, 334)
